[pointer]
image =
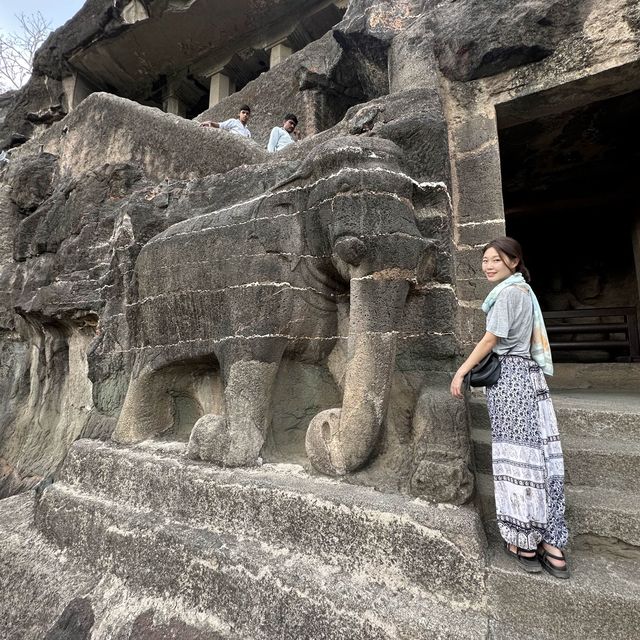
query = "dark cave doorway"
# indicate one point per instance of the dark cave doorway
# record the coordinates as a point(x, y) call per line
point(569, 181)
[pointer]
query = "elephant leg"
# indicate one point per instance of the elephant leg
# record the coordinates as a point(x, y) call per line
point(147, 410)
point(235, 439)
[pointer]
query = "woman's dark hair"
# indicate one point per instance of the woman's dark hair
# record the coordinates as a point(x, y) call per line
point(510, 248)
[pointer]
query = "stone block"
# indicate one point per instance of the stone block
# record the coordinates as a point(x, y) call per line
point(476, 130)
point(442, 455)
point(473, 289)
point(477, 234)
point(469, 263)
point(479, 186)
point(471, 323)
point(422, 352)
point(431, 309)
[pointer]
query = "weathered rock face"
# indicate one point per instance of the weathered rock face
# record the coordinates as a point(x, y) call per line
point(318, 84)
point(75, 267)
point(503, 35)
point(75, 220)
point(98, 281)
point(245, 324)
point(348, 260)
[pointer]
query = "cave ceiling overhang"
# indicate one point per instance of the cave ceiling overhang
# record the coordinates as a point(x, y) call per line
point(190, 38)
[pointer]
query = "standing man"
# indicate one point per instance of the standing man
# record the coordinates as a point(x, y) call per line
point(282, 136)
point(235, 125)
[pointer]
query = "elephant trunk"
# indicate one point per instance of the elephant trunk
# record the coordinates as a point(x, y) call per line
point(341, 440)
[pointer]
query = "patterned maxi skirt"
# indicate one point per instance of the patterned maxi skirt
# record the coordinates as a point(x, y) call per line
point(528, 469)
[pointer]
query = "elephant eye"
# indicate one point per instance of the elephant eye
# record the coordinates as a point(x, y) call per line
point(344, 186)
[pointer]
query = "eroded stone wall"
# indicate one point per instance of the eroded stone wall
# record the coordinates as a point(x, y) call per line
point(85, 197)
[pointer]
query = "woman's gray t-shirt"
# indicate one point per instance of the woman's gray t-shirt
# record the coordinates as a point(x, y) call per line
point(511, 319)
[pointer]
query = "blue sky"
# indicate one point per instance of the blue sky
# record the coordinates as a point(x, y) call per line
point(57, 12)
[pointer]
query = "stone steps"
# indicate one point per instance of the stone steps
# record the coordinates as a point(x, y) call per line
point(588, 414)
point(46, 594)
point(590, 512)
point(601, 443)
point(589, 462)
point(263, 591)
point(600, 600)
point(597, 376)
point(272, 551)
point(442, 549)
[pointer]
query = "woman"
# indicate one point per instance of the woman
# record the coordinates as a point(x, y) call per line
point(527, 458)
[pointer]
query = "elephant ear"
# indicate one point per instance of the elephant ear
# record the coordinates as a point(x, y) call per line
point(284, 233)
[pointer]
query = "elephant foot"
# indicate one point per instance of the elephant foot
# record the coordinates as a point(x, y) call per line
point(323, 445)
point(213, 440)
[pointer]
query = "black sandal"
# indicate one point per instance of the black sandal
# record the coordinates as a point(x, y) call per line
point(529, 563)
point(556, 572)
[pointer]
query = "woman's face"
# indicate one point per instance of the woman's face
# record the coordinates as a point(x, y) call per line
point(497, 267)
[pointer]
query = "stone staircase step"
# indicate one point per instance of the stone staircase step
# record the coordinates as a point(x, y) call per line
point(589, 462)
point(584, 413)
point(609, 514)
point(600, 600)
point(46, 594)
point(279, 594)
point(605, 513)
point(440, 548)
point(263, 591)
point(596, 376)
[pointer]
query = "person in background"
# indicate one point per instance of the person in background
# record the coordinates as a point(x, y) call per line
point(235, 125)
point(528, 468)
point(283, 136)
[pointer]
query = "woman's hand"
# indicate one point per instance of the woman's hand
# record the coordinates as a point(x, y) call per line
point(456, 385)
point(482, 349)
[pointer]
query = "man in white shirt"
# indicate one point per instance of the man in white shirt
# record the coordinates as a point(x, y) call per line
point(282, 136)
point(235, 125)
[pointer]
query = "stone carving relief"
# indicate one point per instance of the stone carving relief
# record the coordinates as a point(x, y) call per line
point(244, 287)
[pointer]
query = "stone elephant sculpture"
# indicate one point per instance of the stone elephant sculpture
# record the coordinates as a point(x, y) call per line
point(260, 281)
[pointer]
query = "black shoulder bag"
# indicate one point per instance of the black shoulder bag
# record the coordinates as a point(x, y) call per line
point(485, 373)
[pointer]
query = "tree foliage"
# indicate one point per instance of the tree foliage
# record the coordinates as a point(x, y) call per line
point(17, 49)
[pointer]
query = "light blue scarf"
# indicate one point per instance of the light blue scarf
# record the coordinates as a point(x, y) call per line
point(540, 350)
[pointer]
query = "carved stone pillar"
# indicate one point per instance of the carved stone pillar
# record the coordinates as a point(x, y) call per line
point(172, 103)
point(278, 53)
point(76, 89)
point(221, 87)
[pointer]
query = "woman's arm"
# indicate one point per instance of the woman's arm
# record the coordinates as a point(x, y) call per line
point(482, 349)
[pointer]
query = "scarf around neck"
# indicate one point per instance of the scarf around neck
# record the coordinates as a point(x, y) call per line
point(540, 350)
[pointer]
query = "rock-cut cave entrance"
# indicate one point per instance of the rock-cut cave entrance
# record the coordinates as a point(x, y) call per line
point(569, 180)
